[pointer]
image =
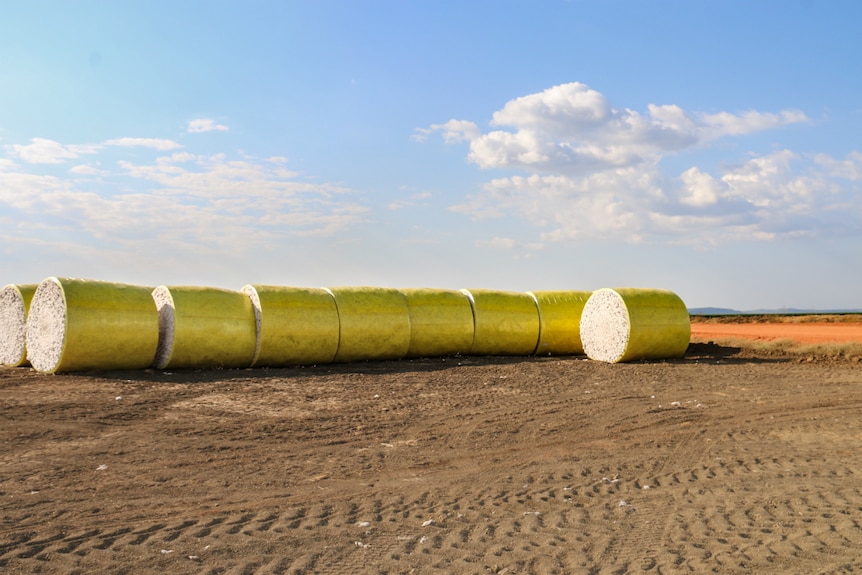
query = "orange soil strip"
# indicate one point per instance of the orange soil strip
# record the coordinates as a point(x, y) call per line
point(800, 332)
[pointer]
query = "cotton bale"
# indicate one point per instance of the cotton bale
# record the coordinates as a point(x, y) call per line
point(204, 327)
point(560, 321)
point(504, 323)
point(441, 322)
point(627, 324)
point(14, 307)
point(78, 325)
point(295, 326)
point(374, 323)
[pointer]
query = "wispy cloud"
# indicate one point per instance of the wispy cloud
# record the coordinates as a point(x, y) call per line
point(453, 131)
point(174, 202)
point(154, 143)
point(418, 199)
point(45, 151)
point(205, 125)
point(497, 242)
point(23, 191)
point(86, 170)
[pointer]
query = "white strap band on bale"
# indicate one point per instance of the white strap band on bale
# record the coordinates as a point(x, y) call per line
point(201, 327)
point(78, 325)
point(560, 321)
point(295, 326)
point(14, 308)
point(627, 324)
point(374, 323)
point(441, 322)
point(505, 323)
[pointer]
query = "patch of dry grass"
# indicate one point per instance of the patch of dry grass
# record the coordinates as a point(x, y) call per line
point(837, 351)
point(779, 318)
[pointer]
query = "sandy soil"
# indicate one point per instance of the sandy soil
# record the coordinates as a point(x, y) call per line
point(721, 462)
point(809, 332)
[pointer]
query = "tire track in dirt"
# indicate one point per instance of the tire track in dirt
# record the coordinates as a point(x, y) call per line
point(391, 532)
point(750, 531)
point(472, 474)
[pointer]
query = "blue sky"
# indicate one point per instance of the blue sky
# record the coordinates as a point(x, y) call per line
point(709, 148)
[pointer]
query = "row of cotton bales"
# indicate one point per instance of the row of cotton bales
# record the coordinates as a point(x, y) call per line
point(66, 324)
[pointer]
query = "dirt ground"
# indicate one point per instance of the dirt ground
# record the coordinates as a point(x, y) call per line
point(724, 461)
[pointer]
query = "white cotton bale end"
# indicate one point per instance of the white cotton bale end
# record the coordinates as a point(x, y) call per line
point(14, 307)
point(504, 323)
point(78, 325)
point(374, 323)
point(295, 326)
point(202, 327)
point(560, 321)
point(441, 322)
point(628, 324)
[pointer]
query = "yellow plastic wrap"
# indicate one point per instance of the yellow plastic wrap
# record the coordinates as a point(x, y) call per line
point(627, 324)
point(560, 321)
point(78, 325)
point(374, 323)
point(14, 307)
point(203, 327)
point(441, 322)
point(296, 325)
point(505, 323)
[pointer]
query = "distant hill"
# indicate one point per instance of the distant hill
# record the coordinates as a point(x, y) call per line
point(713, 311)
point(782, 311)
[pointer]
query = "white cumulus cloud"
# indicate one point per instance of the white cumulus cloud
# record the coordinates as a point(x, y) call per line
point(571, 128)
point(700, 189)
point(850, 167)
point(767, 197)
point(594, 170)
point(574, 129)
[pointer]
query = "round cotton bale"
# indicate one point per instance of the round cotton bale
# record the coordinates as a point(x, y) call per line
point(627, 324)
point(202, 327)
point(78, 325)
point(295, 326)
point(374, 323)
point(14, 307)
point(441, 322)
point(505, 323)
point(560, 321)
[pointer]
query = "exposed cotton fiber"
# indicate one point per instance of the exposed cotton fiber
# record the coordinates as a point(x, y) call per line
point(78, 325)
point(14, 306)
point(201, 327)
point(505, 323)
point(165, 304)
point(627, 324)
point(252, 294)
point(295, 325)
point(374, 323)
point(441, 322)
